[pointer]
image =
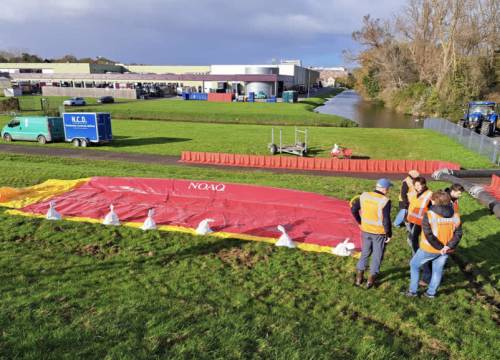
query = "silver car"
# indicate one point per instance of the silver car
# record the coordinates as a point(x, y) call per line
point(75, 101)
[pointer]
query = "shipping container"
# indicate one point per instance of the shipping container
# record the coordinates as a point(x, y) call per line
point(198, 96)
point(290, 96)
point(215, 97)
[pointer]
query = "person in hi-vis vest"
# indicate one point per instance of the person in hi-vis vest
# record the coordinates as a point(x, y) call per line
point(372, 211)
point(407, 187)
point(419, 201)
point(441, 233)
point(455, 191)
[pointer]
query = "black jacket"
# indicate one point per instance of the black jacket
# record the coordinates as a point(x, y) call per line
point(447, 212)
point(386, 214)
point(403, 204)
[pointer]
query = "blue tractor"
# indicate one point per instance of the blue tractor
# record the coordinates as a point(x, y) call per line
point(482, 116)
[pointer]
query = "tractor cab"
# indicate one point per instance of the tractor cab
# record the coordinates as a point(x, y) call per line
point(482, 117)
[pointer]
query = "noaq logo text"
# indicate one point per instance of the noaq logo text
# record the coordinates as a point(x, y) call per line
point(207, 187)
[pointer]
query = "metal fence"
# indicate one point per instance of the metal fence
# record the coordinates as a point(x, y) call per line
point(483, 145)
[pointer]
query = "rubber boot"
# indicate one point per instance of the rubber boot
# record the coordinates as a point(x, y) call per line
point(371, 281)
point(359, 278)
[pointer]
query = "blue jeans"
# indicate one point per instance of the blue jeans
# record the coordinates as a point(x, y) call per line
point(420, 258)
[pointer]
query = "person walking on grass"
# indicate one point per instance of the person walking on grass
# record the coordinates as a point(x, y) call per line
point(455, 191)
point(407, 187)
point(441, 233)
point(419, 201)
point(372, 211)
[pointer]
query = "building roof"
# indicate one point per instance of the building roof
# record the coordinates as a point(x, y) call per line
point(149, 77)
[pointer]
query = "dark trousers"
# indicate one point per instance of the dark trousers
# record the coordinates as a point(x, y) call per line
point(414, 232)
point(374, 245)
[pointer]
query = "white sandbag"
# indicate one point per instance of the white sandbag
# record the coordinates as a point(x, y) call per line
point(111, 218)
point(284, 239)
point(149, 223)
point(335, 150)
point(52, 214)
point(204, 227)
point(345, 248)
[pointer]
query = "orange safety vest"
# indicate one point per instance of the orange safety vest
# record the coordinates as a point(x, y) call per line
point(411, 188)
point(455, 206)
point(442, 228)
point(418, 206)
point(372, 205)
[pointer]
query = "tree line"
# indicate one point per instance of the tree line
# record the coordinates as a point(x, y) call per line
point(25, 57)
point(431, 58)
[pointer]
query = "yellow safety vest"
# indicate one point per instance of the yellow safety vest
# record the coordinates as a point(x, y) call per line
point(418, 206)
point(411, 188)
point(372, 204)
point(442, 228)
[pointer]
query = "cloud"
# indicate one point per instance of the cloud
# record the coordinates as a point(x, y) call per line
point(196, 31)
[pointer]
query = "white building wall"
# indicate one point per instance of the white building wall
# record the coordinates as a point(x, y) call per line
point(238, 69)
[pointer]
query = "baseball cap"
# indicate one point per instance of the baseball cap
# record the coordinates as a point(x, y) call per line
point(384, 183)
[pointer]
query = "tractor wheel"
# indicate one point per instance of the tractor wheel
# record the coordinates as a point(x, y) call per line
point(486, 129)
point(41, 139)
point(461, 123)
point(273, 149)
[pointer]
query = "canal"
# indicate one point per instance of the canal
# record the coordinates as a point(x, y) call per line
point(351, 105)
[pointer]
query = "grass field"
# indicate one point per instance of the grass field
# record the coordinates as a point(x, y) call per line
point(73, 290)
point(202, 111)
point(170, 138)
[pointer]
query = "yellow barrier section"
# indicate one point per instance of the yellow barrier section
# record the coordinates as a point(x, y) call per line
point(19, 198)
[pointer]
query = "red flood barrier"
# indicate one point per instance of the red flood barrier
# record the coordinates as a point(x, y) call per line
point(494, 187)
point(322, 164)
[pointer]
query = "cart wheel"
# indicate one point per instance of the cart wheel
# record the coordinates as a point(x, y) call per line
point(273, 149)
point(83, 143)
point(75, 142)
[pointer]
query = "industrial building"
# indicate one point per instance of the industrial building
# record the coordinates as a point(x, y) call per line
point(132, 81)
point(59, 68)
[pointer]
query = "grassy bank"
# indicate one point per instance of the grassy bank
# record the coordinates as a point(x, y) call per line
point(170, 138)
point(237, 113)
point(87, 291)
point(202, 111)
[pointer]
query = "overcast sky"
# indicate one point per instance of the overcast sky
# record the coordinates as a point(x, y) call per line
point(191, 32)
